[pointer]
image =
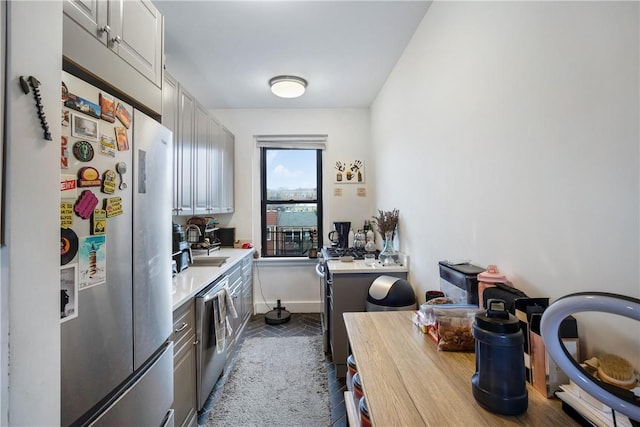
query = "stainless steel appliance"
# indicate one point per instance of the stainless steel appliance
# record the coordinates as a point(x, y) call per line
point(211, 347)
point(117, 361)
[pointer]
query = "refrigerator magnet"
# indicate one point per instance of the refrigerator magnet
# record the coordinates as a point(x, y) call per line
point(107, 146)
point(68, 292)
point(113, 206)
point(84, 106)
point(85, 204)
point(123, 115)
point(99, 222)
point(92, 256)
point(122, 138)
point(89, 176)
point(83, 151)
point(66, 214)
point(68, 245)
point(84, 127)
point(109, 181)
point(64, 119)
point(68, 186)
point(107, 106)
point(64, 152)
point(65, 92)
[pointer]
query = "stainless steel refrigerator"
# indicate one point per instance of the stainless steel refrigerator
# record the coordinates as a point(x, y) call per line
point(116, 307)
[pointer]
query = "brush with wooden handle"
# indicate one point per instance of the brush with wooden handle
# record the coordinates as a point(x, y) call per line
point(617, 371)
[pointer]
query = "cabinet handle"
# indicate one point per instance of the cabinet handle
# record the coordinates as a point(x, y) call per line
point(182, 327)
point(116, 39)
point(105, 29)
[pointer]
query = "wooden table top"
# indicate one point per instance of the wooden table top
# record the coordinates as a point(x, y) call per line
point(408, 382)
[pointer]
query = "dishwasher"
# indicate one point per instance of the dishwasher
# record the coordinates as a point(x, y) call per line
point(211, 336)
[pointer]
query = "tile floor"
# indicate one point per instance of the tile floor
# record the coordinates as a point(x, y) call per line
point(301, 324)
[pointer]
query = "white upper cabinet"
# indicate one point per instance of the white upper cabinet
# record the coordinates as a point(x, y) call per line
point(90, 15)
point(214, 166)
point(201, 161)
point(110, 38)
point(203, 156)
point(228, 166)
point(183, 153)
point(136, 36)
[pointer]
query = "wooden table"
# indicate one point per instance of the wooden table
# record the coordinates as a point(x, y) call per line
point(408, 382)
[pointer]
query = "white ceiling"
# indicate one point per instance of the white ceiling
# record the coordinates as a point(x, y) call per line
point(225, 52)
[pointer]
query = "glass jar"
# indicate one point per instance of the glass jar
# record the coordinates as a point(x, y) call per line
point(388, 255)
point(351, 371)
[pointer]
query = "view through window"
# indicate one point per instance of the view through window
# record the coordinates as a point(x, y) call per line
point(291, 201)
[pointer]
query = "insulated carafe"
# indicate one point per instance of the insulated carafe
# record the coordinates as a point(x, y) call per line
point(499, 383)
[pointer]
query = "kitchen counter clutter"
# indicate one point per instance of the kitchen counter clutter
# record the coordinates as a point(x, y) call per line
point(359, 266)
point(407, 381)
point(198, 275)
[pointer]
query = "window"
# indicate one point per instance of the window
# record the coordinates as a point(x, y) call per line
point(291, 200)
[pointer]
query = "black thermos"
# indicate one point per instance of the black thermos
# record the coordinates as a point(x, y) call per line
point(499, 383)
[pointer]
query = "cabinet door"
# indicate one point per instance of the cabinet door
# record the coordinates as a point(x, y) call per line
point(247, 287)
point(228, 159)
point(170, 121)
point(184, 152)
point(184, 386)
point(90, 15)
point(184, 365)
point(215, 161)
point(136, 36)
point(201, 161)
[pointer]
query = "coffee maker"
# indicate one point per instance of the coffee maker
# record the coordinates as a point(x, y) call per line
point(181, 250)
point(340, 234)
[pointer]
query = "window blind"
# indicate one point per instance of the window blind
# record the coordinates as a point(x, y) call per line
point(312, 141)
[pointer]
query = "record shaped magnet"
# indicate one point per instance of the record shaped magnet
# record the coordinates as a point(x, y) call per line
point(68, 245)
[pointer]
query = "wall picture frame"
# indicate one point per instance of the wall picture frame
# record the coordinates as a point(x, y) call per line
point(349, 172)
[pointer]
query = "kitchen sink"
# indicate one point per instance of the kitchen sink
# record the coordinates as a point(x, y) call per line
point(209, 261)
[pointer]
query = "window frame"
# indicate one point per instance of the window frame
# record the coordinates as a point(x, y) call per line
point(264, 202)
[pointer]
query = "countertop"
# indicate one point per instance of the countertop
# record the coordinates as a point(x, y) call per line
point(407, 381)
point(358, 266)
point(189, 282)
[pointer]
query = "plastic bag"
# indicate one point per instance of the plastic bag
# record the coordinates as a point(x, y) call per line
point(454, 323)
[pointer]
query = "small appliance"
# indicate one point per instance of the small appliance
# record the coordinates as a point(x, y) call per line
point(459, 281)
point(342, 228)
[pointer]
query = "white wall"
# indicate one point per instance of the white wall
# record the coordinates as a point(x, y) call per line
point(519, 128)
point(30, 262)
point(348, 133)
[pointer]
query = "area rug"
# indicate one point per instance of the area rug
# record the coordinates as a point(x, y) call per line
point(275, 381)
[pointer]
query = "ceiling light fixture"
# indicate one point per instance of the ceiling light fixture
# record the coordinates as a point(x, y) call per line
point(288, 86)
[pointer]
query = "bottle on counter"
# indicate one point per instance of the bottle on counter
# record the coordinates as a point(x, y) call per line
point(350, 238)
point(371, 236)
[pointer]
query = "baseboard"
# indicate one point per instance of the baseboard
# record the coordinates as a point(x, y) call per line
point(291, 306)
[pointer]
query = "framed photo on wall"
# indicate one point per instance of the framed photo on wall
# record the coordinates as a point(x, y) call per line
point(349, 172)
